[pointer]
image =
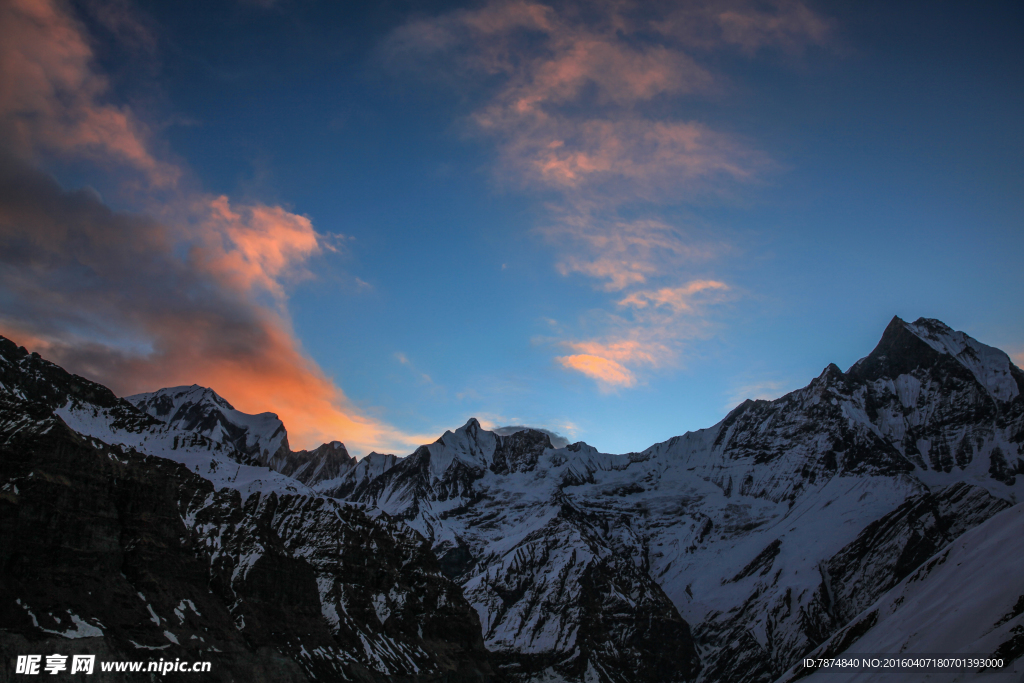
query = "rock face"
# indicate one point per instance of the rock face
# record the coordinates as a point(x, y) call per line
point(135, 557)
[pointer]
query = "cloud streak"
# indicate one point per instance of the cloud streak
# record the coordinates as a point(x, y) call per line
point(189, 289)
point(580, 107)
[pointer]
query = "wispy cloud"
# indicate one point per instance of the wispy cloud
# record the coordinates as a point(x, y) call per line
point(648, 332)
point(579, 107)
point(404, 360)
point(676, 299)
point(189, 287)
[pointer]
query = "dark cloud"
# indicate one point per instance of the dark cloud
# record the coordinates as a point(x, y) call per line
point(71, 263)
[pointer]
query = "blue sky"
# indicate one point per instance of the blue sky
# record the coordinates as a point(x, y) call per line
point(611, 220)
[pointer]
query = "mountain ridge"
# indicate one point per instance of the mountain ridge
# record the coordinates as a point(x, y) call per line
point(747, 544)
point(130, 555)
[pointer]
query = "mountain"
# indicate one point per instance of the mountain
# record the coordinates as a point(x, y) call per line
point(116, 547)
point(753, 541)
point(198, 409)
point(259, 440)
point(874, 510)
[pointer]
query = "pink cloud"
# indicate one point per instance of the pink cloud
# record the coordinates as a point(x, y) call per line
point(255, 246)
point(501, 18)
point(607, 372)
point(578, 110)
point(623, 159)
point(788, 24)
point(749, 25)
point(678, 299)
point(51, 99)
point(624, 254)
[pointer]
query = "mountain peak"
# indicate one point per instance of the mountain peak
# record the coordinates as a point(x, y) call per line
point(167, 400)
point(904, 347)
point(198, 408)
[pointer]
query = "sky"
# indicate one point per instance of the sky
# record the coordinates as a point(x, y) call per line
point(612, 220)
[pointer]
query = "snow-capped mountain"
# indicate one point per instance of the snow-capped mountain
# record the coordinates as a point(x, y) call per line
point(112, 551)
point(825, 520)
point(765, 533)
point(259, 440)
point(198, 409)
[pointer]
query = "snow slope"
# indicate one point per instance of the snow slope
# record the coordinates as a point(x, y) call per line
point(216, 461)
point(967, 599)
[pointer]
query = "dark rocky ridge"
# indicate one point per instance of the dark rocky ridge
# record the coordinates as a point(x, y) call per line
point(327, 461)
point(152, 562)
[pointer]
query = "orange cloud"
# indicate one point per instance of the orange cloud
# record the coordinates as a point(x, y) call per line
point(605, 371)
point(138, 301)
point(108, 295)
point(625, 351)
point(655, 327)
point(268, 373)
point(255, 246)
